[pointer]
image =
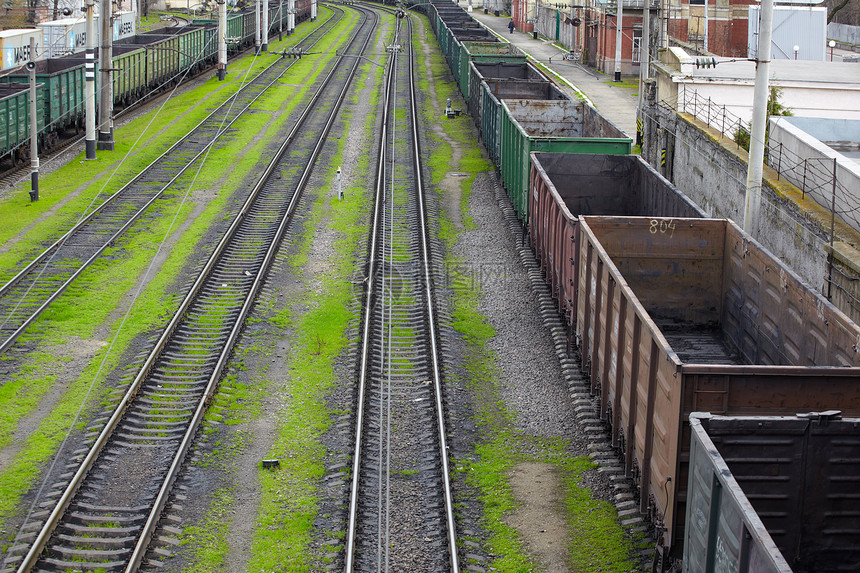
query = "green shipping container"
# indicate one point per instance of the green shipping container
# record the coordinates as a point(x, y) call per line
point(483, 52)
point(557, 126)
point(15, 114)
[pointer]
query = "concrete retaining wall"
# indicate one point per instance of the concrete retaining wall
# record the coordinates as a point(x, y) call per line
point(815, 178)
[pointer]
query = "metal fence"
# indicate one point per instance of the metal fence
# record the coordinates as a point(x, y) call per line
point(816, 177)
point(713, 114)
point(820, 179)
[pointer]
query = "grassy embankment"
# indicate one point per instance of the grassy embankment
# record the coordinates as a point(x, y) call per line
point(314, 321)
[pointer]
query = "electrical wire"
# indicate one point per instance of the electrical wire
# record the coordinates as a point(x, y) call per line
point(142, 283)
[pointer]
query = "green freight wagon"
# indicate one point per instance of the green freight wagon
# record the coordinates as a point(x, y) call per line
point(235, 28)
point(162, 57)
point(192, 44)
point(15, 111)
point(483, 52)
point(494, 91)
point(129, 76)
point(63, 96)
point(559, 126)
point(479, 71)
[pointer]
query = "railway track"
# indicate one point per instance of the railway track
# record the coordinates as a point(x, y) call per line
point(26, 295)
point(104, 518)
point(401, 508)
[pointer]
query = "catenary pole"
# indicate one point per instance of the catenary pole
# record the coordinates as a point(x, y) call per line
point(34, 125)
point(90, 84)
point(222, 40)
point(756, 157)
point(105, 77)
point(257, 25)
point(265, 27)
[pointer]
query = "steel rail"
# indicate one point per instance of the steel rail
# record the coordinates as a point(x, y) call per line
point(431, 321)
point(53, 520)
point(365, 331)
point(430, 316)
point(47, 253)
point(212, 384)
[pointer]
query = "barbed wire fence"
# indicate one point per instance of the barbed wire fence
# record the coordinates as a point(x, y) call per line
point(818, 178)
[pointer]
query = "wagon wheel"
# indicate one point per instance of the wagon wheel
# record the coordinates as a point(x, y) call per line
point(18, 157)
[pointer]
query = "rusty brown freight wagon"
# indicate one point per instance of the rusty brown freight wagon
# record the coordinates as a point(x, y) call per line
point(563, 186)
point(692, 315)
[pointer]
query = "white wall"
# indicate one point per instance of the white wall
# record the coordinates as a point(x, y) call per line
point(809, 89)
point(789, 143)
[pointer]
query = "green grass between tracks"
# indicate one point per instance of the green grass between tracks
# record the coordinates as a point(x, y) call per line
point(316, 330)
point(97, 298)
point(596, 541)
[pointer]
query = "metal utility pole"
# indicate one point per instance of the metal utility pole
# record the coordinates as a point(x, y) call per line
point(34, 126)
point(222, 40)
point(257, 25)
point(291, 17)
point(105, 62)
point(756, 157)
point(645, 50)
point(706, 27)
point(619, 16)
point(90, 88)
point(644, 63)
point(280, 20)
point(664, 24)
point(265, 45)
point(314, 13)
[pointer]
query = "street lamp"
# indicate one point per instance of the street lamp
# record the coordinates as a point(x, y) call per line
point(796, 49)
point(832, 45)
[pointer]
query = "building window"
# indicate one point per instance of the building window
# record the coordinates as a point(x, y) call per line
point(637, 44)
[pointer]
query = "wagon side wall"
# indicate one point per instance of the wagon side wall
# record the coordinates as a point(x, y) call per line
point(793, 475)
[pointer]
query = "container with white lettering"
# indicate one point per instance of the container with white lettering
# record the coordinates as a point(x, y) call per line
point(15, 47)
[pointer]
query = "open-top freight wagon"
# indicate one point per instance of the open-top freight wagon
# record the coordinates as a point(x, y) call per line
point(548, 125)
point(683, 315)
point(15, 109)
point(493, 91)
point(478, 52)
point(564, 186)
point(480, 71)
point(198, 45)
point(62, 97)
point(773, 494)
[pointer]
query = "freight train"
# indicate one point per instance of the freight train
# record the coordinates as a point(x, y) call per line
point(142, 64)
point(692, 337)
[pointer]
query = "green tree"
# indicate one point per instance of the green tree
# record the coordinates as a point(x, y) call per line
point(774, 107)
